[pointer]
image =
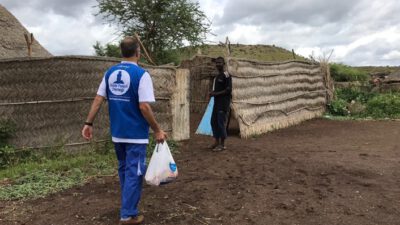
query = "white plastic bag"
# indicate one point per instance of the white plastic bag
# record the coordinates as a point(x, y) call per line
point(162, 168)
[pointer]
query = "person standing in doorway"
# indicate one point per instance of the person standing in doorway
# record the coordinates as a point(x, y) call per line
point(129, 90)
point(222, 93)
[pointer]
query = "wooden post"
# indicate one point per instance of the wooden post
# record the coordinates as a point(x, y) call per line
point(294, 55)
point(180, 106)
point(144, 49)
point(228, 46)
point(29, 43)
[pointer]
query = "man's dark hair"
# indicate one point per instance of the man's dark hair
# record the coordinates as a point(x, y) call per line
point(129, 46)
point(219, 58)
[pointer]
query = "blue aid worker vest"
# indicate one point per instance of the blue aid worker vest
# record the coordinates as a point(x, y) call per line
point(126, 119)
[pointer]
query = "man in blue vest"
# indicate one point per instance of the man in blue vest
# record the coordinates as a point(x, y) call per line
point(129, 90)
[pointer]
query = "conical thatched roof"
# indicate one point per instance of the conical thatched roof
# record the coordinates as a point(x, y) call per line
point(12, 40)
point(394, 76)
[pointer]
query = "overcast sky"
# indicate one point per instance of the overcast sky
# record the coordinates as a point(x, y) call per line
point(361, 32)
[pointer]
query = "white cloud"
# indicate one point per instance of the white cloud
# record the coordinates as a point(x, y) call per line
point(361, 32)
point(393, 55)
point(62, 32)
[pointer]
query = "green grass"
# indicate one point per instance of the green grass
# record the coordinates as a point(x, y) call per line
point(378, 69)
point(53, 170)
point(255, 52)
point(38, 179)
point(89, 162)
point(344, 73)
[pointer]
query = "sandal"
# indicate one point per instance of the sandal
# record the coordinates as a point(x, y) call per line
point(219, 148)
point(213, 146)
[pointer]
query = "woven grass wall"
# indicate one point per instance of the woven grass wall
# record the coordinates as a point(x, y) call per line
point(49, 98)
point(202, 73)
point(269, 96)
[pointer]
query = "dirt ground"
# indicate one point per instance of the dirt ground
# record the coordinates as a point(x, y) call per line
point(320, 172)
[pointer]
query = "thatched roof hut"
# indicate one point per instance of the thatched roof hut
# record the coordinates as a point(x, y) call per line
point(393, 77)
point(390, 83)
point(12, 40)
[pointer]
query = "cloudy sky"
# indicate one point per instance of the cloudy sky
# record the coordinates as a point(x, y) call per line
point(361, 32)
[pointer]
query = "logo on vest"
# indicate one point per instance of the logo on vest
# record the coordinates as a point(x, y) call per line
point(119, 82)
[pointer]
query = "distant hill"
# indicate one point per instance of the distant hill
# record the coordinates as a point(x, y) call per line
point(255, 52)
point(379, 70)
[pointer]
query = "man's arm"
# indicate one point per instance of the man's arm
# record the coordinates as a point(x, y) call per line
point(147, 113)
point(87, 131)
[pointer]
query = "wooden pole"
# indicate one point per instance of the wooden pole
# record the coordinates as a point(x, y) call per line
point(294, 55)
point(228, 46)
point(144, 49)
point(29, 42)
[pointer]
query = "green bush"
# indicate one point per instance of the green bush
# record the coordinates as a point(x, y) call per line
point(9, 156)
point(343, 73)
point(384, 106)
point(338, 107)
point(7, 130)
point(109, 50)
point(169, 56)
point(361, 103)
point(354, 94)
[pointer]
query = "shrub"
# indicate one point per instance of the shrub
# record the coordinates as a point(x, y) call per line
point(9, 156)
point(384, 106)
point(7, 130)
point(338, 107)
point(354, 94)
point(343, 73)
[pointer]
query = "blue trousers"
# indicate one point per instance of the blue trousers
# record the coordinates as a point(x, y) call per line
point(131, 168)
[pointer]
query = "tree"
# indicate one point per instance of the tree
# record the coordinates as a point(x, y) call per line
point(110, 50)
point(163, 25)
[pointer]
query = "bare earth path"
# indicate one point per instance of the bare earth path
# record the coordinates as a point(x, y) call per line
point(320, 172)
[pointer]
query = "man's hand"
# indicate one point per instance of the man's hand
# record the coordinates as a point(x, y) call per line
point(87, 132)
point(160, 136)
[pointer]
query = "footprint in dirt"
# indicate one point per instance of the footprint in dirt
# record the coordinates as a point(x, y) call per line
point(301, 171)
point(286, 206)
point(234, 207)
point(109, 216)
point(319, 193)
